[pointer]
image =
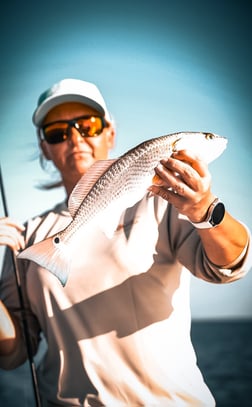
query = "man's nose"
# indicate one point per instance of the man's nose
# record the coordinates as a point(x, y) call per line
point(74, 135)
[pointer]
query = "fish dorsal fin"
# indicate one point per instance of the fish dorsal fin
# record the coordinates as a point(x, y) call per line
point(85, 184)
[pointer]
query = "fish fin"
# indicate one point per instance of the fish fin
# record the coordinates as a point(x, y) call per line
point(86, 182)
point(54, 257)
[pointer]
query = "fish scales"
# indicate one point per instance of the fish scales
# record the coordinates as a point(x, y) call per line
point(121, 183)
point(126, 173)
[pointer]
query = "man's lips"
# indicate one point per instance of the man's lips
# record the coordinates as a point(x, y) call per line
point(79, 153)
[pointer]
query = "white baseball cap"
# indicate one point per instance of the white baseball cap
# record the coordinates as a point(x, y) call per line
point(70, 90)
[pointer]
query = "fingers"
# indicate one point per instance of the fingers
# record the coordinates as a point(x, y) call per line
point(192, 160)
point(11, 222)
point(184, 180)
point(183, 173)
point(167, 194)
point(10, 234)
point(186, 166)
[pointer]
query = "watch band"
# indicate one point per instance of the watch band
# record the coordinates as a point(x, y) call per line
point(214, 217)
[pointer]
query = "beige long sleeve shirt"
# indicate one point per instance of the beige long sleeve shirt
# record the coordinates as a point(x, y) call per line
point(118, 333)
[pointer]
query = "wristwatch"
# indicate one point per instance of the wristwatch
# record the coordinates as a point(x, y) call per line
point(215, 215)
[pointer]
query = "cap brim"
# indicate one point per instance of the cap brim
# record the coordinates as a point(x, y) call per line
point(42, 110)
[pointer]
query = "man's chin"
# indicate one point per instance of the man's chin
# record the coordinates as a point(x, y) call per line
point(82, 168)
point(81, 161)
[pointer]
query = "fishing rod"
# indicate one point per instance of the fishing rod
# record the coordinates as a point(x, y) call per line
point(22, 306)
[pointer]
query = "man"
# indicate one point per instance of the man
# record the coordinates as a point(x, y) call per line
point(118, 334)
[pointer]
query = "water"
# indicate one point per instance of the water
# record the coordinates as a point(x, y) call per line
point(224, 351)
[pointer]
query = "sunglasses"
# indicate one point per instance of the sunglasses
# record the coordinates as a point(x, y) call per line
point(87, 126)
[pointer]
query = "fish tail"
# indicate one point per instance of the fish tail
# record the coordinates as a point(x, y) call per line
point(54, 257)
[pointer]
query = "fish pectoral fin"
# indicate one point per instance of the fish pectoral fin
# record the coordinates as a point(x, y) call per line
point(55, 258)
point(86, 182)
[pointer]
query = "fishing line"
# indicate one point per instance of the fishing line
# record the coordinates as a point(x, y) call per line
point(22, 307)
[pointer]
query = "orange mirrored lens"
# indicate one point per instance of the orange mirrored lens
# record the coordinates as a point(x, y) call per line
point(58, 132)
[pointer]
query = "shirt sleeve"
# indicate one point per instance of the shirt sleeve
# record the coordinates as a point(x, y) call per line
point(10, 294)
point(188, 248)
point(37, 229)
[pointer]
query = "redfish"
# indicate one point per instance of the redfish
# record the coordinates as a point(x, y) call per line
point(109, 187)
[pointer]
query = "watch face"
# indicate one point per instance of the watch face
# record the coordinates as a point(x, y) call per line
point(218, 214)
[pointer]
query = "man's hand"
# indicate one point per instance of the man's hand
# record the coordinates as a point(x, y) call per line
point(10, 234)
point(184, 180)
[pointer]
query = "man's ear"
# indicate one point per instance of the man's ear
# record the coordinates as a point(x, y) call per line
point(111, 135)
point(45, 151)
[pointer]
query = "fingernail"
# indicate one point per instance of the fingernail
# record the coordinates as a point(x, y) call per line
point(157, 180)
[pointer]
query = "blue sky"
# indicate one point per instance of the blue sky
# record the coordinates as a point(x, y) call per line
point(162, 66)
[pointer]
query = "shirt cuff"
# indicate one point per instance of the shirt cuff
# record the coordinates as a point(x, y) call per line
point(229, 268)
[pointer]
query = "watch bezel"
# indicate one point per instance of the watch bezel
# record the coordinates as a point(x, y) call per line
point(211, 219)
